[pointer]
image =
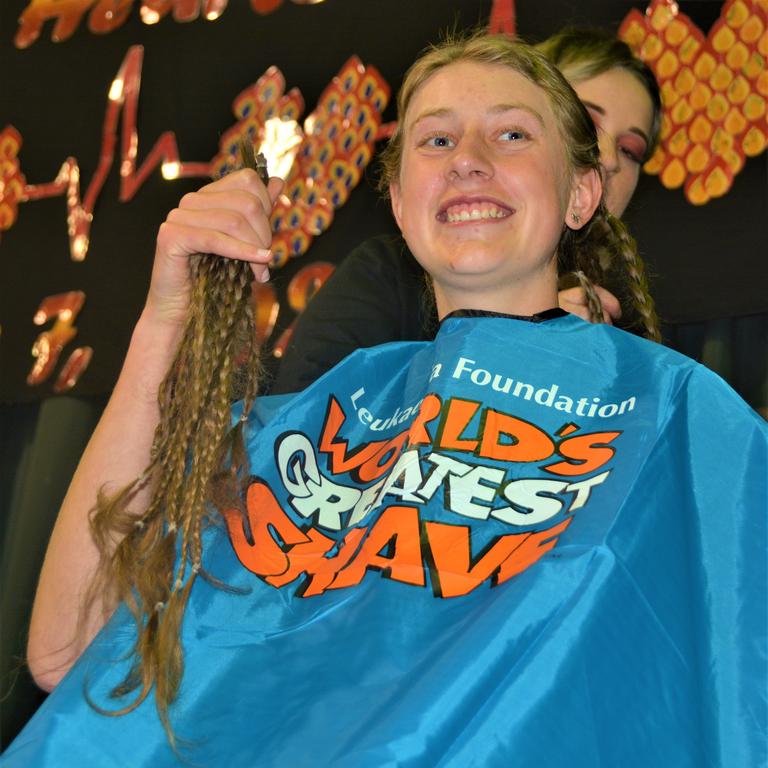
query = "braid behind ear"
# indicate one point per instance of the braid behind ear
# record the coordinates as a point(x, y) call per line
point(580, 263)
point(601, 248)
point(637, 283)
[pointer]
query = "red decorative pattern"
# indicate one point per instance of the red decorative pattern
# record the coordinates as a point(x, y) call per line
point(123, 99)
point(335, 146)
point(338, 143)
point(73, 369)
point(107, 15)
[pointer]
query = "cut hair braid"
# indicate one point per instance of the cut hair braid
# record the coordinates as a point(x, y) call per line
point(196, 454)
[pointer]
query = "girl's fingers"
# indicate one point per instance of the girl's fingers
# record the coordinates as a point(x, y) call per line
point(178, 239)
point(232, 222)
point(611, 305)
point(574, 300)
point(260, 272)
point(245, 180)
point(275, 186)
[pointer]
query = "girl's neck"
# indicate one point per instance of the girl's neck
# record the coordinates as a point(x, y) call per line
point(511, 300)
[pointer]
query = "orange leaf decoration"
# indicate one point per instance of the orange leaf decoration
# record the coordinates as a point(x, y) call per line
point(713, 88)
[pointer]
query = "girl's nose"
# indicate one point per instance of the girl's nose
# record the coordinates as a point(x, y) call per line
point(470, 158)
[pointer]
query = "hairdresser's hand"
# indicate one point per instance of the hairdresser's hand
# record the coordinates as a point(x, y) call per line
point(574, 300)
point(229, 218)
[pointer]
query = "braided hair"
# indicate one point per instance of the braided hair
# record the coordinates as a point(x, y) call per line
point(197, 462)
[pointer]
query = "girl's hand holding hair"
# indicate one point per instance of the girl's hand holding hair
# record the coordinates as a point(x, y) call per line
point(228, 217)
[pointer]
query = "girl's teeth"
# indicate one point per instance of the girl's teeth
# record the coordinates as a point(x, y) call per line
point(475, 214)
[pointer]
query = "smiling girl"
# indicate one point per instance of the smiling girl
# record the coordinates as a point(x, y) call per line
point(377, 293)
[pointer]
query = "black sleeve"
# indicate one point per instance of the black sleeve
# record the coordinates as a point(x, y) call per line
point(374, 296)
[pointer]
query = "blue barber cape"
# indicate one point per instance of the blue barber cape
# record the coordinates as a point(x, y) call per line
point(524, 543)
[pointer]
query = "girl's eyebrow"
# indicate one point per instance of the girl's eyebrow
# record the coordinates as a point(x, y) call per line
point(496, 109)
point(601, 111)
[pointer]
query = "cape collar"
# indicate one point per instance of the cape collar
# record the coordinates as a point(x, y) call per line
point(539, 317)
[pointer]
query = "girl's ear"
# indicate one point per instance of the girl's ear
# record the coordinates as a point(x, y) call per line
point(586, 193)
point(396, 202)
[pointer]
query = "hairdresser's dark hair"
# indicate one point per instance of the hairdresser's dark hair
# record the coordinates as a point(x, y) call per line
point(582, 53)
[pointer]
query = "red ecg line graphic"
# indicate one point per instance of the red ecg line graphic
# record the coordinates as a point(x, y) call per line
point(123, 98)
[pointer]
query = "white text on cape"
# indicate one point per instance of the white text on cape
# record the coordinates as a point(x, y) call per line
point(548, 396)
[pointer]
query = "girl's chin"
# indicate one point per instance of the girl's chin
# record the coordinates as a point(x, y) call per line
point(477, 258)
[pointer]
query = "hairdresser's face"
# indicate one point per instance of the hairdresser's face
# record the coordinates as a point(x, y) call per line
point(623, 113)
point(483, 190)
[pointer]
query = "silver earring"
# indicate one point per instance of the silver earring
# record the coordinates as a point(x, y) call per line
point(576, 218)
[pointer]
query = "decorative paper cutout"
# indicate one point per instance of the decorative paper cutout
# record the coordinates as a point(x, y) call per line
point(73, 369)
point(303, 286)
point(107, 15)
point(152, 11)
point(46, 350)
point(503, 18)
point(340, 137)
point(339, 141)
point(12, 180)
point(123, 97)
point(713, 89)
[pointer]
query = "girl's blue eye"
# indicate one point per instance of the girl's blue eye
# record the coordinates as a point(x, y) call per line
point(438, 141)
point(514, 134)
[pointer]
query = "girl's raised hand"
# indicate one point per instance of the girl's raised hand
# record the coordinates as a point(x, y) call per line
point(228, 217)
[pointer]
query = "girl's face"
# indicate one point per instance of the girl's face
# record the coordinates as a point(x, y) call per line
point(623, 113)
point(484, 189)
